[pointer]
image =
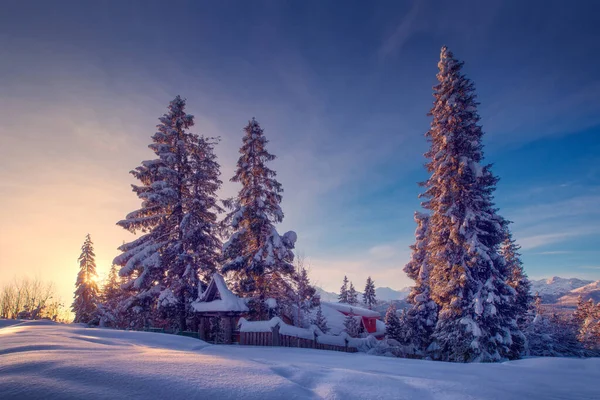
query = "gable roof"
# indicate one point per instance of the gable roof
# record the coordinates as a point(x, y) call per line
point(217, 297)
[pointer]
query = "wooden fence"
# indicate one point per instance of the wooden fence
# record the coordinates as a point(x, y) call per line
point(275, 338)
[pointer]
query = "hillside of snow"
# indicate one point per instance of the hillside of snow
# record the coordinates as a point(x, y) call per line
point(42, 360)
point(325, 295)
point(553, 288)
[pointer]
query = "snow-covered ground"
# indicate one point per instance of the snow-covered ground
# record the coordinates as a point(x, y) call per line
point(42, 360)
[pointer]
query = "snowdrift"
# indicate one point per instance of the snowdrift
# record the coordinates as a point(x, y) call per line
point(51, 361)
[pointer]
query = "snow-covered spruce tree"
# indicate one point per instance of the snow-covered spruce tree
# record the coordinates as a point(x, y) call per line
point(392, 323)
point(85, 304)
point(587, 318)
point(110, 298)
point(111, 287)
point(421, 317)
point(537, 304)
point(352, 295)
point(351, 325)
point(112, 313)
point(517, 279)
point(369, 297)
point(178, 219)
point(320, 321)
point(255, 252)
point(343, 296)
point(476, 319)
point(293, 294)
point(582, 310)
point(305, 297)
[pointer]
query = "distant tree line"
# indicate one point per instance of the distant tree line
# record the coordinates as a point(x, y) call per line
point(31, 298)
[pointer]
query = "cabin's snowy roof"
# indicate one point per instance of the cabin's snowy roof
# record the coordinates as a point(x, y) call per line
point(335, 318)
point(347, 308)
point(258, 326)
point(227, 302)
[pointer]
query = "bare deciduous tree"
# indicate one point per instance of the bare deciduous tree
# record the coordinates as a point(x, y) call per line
point(31, 298)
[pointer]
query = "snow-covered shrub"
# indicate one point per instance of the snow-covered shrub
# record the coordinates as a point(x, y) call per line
point(387, 348)
point(320, 321)
point(352, 326)
point(553, 337)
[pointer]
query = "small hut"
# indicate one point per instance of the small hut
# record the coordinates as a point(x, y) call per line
point(336, 313)
point(218, 308)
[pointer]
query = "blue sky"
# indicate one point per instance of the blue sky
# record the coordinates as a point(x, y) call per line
point(342, 89)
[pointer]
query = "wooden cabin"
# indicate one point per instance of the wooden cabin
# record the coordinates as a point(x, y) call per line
point(369, 319)
point(219, 305)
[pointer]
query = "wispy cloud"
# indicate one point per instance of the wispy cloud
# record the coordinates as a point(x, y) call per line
point(551, 223)
point(578, 205)
point(383, 251)
point(539, 240)
point(404, 30)
point(548, 253)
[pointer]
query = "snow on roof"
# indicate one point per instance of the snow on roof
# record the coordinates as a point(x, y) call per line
point(380, 328)
point(258, 326)
point(347, 308)
point(284, 329)
point(290, 330)
point(271, 303)
point(334, 318)
point(227, 302)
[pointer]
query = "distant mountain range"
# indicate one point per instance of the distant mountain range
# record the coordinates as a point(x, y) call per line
point(555, 290)
point(382, 293)
point(589, 291)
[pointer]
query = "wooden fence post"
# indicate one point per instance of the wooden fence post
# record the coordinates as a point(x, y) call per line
point(275, 333)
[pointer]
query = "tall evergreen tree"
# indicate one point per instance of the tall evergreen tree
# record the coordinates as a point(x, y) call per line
point(587, 319)
point(421, 318)
point(255, 252)
point(178, 219)
point(393, 328)
point(537, 303)
point(111, 286)
point(517, 279)
point(352, 295)
point(476, 319)
point(112, 295)
point(343, 296)
point(582, 310)
point(369, 297)
point(305, 296)
point(85, 304)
